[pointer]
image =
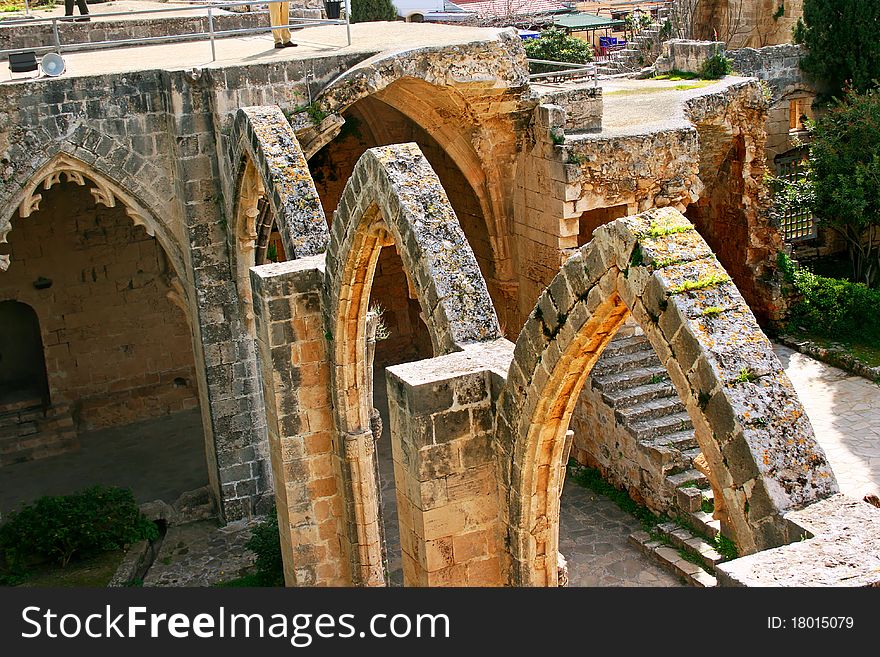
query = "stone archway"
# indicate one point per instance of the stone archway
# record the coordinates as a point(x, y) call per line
point(393, 197)
point(105, 191)
point(750, 426)
point(274, 188)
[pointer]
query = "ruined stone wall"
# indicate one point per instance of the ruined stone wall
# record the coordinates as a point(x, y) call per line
point(116, 347)
point(746, 23)
point(779, 67)
point(565, 177)
point(732, 212)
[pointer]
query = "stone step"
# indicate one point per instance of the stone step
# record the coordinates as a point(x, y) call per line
point(656, 427)
point(670, 559)
point(691, 476)
point(680, 440)
point(19, 429)
point(705, 524)
point(653, 409)
point(684, 539)
point(628, 345)
point(20, 405)
point(690, 454)
point(625, 362)
point(630, 379)
point(689, 499)
point(626, 397)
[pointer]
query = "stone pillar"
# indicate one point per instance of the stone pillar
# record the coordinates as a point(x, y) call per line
point(231, 402)
point(302, 446)
point(444, 469)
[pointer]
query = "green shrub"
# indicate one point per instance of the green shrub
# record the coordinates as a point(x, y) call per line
point(834, 308)
point(556, 45)
point(716, 67)
point(364, 11)
point(265, 542)
point(60, 528)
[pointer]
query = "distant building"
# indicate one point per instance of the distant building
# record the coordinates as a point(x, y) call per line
point(427, 11)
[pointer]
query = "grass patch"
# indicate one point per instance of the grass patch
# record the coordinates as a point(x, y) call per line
point(699, 84)
point(712, 311)
point(662, 230)
point(250, 580)
point(675, 74)
point(725, 547)
point(702, 283)
point(591, 479)
point(95, 571)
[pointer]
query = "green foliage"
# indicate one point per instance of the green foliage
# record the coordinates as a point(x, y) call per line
point(272, 252)
point(591, 478)
point(265, 542)
point(710, 280)
point(558, 138)
point(844, 175)
point(725, 547)
point(712, 311)
point(637, 259)
point(95, 520)
point(716, 67)
point(556, 45)
point(746, 375)
point(661, 230)
point(843, 42)
point(780, 11)
point(833, 307)
point(675, 75)
point(364, 11)
point(707, 505)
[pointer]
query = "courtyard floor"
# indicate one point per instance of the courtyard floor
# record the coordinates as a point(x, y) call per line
point(158, 459)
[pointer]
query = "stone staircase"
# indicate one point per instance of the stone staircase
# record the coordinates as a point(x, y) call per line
point(30, 431)
point(640, 52)
point(634, 383)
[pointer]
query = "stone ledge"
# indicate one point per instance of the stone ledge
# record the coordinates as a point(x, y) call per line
point(841, 548)
point(835, 357)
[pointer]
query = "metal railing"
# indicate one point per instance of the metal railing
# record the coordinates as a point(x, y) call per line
point(568, 71)
point(211, 34)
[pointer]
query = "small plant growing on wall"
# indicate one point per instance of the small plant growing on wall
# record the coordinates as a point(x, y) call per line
point(716, 67)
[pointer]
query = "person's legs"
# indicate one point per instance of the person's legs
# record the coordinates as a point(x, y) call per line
point(83, 10)
point(278, 15)
point(68, 7)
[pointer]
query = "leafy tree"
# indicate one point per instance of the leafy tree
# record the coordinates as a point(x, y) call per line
point(845, 175)
point(843, 40)
point(556, 45)
point(364, 11)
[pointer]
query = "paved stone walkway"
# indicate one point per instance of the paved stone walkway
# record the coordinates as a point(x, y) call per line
point(593, 537)
point(845, 412)
point(202, 554)
point(313, 41)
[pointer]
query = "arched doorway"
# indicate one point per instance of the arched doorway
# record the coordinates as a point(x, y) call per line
point(22, 362)
point(117, 337)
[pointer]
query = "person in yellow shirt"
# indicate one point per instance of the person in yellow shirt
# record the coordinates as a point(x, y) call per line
point(279, 14)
